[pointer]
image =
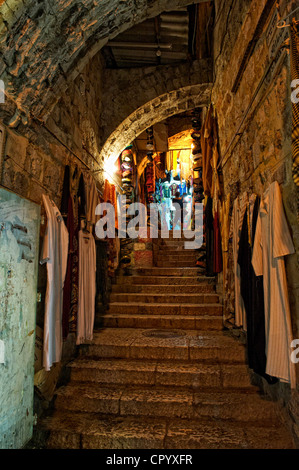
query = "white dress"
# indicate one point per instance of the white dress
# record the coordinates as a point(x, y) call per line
point(272, 242)
point(87, 287)
point(54, 253)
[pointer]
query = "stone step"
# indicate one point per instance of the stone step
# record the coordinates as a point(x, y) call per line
point(69, 430)
point(146, 308)
point(175, 272)
point(163, 289)
point(188, 345)
point(176, 255)
point(166, 280)
point(171, 374)
point(176, 264)
point(184, 322)
point(166, 251)
point(166, 402)
point(173, 298)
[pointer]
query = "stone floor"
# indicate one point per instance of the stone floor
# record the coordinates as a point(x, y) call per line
point(162, 374)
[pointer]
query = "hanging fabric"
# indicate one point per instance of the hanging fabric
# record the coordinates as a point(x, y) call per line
point(209, 235)
point(92, 200)
point(87, 287)
point(253, 294)
point(54, 253)
point(273, 242)
point(207, 145)
point(239, 208)
point(217, 266)
point(224, 224)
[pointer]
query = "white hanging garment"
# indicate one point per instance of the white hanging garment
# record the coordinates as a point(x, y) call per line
point(273, 242)
point(87, 287)
point(54, 253)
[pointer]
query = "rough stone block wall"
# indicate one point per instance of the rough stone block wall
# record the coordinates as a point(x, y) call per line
point(258, 152)
point(34, 158)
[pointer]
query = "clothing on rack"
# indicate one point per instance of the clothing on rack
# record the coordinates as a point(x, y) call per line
point(252, 293)
point(54, 253)
point(87, 287)
point(273, 242)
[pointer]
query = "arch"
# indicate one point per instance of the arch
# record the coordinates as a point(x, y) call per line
point(46, 44)
point(154, 111)
point(130, 89)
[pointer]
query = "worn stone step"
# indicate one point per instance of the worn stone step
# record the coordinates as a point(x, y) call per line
point(147, 308)
point(189, 345)
point(139, 320)
point(174, 298)
point(176, 272)
point(171, 374)
point(176, 264)
point(69, 430)
point(176, 256)
point(166, 251)
point(165, 280)
point(240, 405)
point(164, 289)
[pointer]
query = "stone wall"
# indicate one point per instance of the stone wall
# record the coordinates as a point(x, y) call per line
point(255, 122)
point(47, 43)
point(127, 90)
point(35, 156)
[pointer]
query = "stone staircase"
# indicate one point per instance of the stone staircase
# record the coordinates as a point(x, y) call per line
point(161, 373)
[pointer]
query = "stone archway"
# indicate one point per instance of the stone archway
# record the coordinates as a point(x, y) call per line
point(46, 44)
point(154, 111)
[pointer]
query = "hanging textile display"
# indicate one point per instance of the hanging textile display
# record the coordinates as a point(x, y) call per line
point(217, 249)
point(224, 226)
point(126, 245)
point(273, 242)
point(87, 287)
point(207, 145)
point(66, 210)
point(253, 293)
point(67, 291)
point(92, 200)
point(239, 208)
point(295, 106)
point(209, 235)
point(54, 253)
point(74, 252)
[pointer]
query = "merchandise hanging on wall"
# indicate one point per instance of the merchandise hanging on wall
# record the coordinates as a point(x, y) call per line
point(54, 253)
point(272, 243)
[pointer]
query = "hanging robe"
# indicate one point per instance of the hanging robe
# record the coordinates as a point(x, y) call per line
point(54, 253)
point(273, 242)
